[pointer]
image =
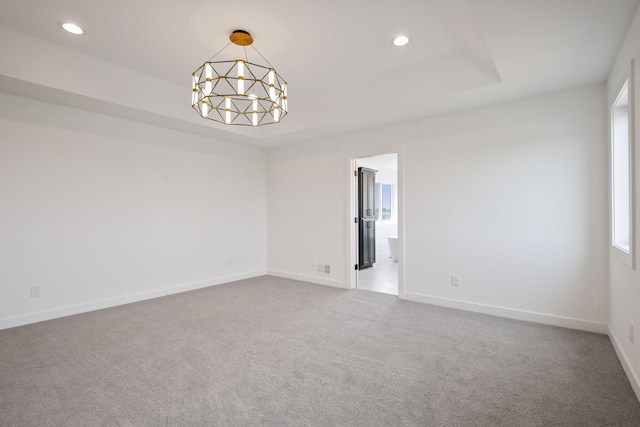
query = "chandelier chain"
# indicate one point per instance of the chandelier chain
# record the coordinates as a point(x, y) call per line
point(266, 60)
point(220, 51)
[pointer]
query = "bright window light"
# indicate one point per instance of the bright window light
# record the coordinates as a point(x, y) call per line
point(621, 172)
point(383, 201)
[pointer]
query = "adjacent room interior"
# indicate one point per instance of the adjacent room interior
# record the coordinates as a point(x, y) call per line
point(376, 238)
point(181, 245)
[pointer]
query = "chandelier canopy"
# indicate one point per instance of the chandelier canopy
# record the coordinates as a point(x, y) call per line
point(239, 92)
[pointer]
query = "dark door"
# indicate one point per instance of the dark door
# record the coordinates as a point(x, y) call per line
point(367, 219)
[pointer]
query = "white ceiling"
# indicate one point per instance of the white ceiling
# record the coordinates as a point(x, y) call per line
point(344, 74)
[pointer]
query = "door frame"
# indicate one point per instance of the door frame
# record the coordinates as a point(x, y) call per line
point(352, 212)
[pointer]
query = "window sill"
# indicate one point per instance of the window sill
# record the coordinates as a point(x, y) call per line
point(624, 257)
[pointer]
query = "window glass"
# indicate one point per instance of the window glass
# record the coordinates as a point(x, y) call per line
point(386, 202)
point(620, 173)
point(376, 200)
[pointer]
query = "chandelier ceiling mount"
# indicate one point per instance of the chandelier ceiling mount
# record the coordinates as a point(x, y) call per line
point(241, 38)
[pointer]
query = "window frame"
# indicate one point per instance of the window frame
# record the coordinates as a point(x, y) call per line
point(627, 82)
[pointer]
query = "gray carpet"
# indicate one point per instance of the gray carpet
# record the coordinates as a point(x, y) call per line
point(277, 352)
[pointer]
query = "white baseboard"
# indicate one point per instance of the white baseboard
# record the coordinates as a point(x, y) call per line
point(112, 302)
point(317, 280)
point(546, 319)
point(634, 379)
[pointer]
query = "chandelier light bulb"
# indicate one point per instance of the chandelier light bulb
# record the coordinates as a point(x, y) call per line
point(227, 106)
point(240, 77)
point(272, 89)
point(205, 109)
point(285, 107)
point(208, 86)
point(255, 112)
point(194, 91)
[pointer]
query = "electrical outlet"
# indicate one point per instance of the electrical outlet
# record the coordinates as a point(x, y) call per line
point(312, 262)
point(165, 178)
point(631, 333)
point(229, 263)
point(35, 292)
point(455, 280)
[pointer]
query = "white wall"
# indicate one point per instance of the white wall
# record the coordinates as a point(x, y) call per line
point(516, 206)
point(383, 231)
point(85, 212)
point(624, 282)
point(511, 197)
point(305, 217)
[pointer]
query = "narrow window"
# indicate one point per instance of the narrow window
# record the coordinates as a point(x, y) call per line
point(383, 202)
point(620, 170)
point(386, 202)
point(376, 200)
point(621, 177)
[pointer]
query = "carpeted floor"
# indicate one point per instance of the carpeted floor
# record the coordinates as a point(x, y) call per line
point(277, 352)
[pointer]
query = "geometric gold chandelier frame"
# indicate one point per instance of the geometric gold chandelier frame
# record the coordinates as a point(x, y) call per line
point(239, 92)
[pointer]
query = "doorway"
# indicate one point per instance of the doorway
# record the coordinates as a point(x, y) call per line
point(377, 223)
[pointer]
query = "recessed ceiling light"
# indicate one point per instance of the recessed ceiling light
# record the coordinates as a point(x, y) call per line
point(401, 40)
point(72, 28)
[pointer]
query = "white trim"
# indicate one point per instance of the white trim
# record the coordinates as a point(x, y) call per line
point(510, 313)
point(352, 228)
point(56, 313)
point(634, 379)
point(303, 278)
point(401, 219)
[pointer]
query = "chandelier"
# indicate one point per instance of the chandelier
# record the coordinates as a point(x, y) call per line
point(239, 92)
